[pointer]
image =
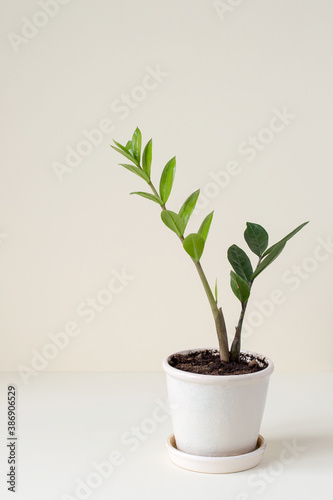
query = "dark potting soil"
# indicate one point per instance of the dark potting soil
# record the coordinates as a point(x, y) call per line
point(207, 362)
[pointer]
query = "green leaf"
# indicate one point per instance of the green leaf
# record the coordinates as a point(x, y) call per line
point(256, 237)
point(125, 153)
point(194, 245)
point(286, 238)
point(275, 252)
point(167, 178)
point(240, 262)
point(149, 196)
point(240, 287)
point(204, 228)
point(136, 144)
point(173, 221)
point(129, 147)
point(147, 157)
point(136, 170)
point(216, 294)
point(188, 206)
point(123, 148)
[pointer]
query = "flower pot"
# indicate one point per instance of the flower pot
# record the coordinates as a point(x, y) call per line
point(217, 415)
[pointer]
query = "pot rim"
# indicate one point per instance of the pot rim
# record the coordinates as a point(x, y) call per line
point(217, 379)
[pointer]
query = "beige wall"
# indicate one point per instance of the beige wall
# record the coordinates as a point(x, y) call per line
point(241, 92)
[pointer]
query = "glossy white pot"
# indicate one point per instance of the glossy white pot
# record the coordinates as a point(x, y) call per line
point(217, 415)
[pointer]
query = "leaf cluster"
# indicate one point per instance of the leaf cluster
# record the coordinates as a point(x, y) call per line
point(194, 243)
point(242, 275)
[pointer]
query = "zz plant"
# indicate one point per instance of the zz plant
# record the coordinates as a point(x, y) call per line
point(242, 274)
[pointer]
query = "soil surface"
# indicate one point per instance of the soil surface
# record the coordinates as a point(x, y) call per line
point(207, 362)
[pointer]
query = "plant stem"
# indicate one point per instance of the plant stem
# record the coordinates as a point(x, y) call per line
point(217, 312)
point(236, 343)
point(151, 185)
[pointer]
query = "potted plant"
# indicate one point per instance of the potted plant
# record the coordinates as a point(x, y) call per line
point(216, 396)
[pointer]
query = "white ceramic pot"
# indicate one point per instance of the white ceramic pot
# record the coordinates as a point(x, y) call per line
point(217, 415)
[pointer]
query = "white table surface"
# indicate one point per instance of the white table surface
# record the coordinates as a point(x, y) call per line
point(71, 423)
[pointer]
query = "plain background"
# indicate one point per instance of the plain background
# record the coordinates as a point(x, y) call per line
point(223, 70)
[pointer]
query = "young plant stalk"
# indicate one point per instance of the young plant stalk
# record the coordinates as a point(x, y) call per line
point(236, 343)
point(194, 243)
point(241, 277)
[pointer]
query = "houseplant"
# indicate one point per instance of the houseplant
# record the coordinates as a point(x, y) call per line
point(217, 397)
